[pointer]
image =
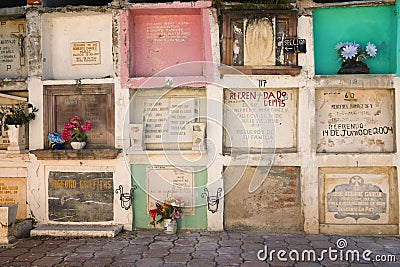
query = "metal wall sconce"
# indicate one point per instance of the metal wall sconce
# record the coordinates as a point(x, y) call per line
point(212, 201)
point(126, 198)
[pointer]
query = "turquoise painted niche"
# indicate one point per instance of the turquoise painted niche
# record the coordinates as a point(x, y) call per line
point(141, 219)
point(375, 24)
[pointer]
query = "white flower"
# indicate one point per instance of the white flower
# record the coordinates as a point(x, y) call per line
point(353, 50)
point(371, 49)
point(349, 51)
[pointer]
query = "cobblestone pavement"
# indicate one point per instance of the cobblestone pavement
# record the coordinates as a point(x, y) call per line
point(151, 248)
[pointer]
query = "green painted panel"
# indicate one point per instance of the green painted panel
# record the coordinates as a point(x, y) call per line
point(376, 24)
point(140, 217)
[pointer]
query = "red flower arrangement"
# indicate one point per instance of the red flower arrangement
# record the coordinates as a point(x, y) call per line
point(75, 130)
point(170, 209)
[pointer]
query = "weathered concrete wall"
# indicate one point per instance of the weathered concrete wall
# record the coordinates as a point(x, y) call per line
point(274, 206)
point(303, 155)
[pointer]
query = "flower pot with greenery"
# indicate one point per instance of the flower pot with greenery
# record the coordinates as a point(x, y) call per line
point(352, 54)
point(12, 118)
point(75, 131)
point(166, 213)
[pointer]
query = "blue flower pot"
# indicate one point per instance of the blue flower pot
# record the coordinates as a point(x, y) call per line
point(58, 146)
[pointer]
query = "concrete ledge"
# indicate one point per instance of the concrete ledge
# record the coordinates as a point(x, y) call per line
point(361, 229)
point(83, 154)
point(76, 230)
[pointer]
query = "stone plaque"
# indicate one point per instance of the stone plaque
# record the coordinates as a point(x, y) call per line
point(167, 120)
point(165, 182)
point(12, 48)
point(13, 191)
point(359, 195)
point(275, 205)
point(355, 120)
point(85, 53)
point(81, 196)
point(94, 103)
point(254, 118)
point(158, 37)
point(357, 200)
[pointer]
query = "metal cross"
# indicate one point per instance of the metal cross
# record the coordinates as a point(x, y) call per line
point(21, 44)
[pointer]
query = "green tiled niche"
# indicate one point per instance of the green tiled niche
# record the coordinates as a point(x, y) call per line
point(141, 219)
point(376, 24)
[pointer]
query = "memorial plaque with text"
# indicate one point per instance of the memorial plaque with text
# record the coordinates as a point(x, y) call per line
point(12, 48)
point(357, 198)
point(85, 53)
point(355, 120)
point(13, 191)
point(167, 120)
point(255, 118)
point(165, 182)
point(94, 103)
point(81, 196)
point(161, 41)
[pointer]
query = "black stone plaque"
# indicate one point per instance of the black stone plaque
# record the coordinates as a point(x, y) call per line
point(357, 200)
point(81, 196)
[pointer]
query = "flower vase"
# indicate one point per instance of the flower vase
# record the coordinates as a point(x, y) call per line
point(15, 136)
point(353, 67)
point(169, 226)
point(78, 145)
point(58, 146)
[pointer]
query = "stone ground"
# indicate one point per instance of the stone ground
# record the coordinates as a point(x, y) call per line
point(152, 248)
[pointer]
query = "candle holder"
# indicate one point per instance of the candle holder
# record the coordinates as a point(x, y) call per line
point(212, 201)
point(126, 198)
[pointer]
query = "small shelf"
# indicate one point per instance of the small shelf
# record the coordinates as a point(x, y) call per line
point(260, 70)
point(83, 154)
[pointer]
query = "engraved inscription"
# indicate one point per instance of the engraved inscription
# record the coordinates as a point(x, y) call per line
point(355, 120)
point(254, 117)
point(167, 31)
point(167, 119)
point(165, 182)
point(13, 191)
point(357, 200)
point(12, 48)
point(81, 196)
point(85, 53)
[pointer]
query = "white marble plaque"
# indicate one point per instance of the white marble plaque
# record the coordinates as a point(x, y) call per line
point(355, 120)
point(165, 182)
point(13, 191)
point(85, 53)
point(12, 48)
point(356, 198)
point(265, 118)
point(167, 120)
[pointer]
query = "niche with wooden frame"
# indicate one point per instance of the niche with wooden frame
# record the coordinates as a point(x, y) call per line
point(90, 102)
point(252, 42)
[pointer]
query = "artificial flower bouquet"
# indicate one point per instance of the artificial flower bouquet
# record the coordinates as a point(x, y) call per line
point(169, 209)
point(354, 51)
point(55, 140)
point(352, 54)
point(75, 130)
